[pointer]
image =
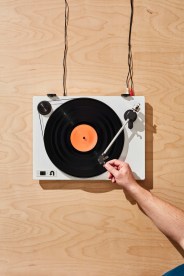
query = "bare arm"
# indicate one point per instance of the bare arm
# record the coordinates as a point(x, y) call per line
point(168, 218)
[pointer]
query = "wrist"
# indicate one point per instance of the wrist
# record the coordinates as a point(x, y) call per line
point(140, 194)
point(131, 187)
point(135, 190)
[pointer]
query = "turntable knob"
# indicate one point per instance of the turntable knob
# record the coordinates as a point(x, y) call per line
point(44, 108)
point(131, 116)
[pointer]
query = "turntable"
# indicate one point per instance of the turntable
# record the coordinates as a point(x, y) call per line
point(71, 133)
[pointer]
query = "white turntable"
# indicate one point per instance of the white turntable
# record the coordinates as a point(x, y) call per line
point(54, 125)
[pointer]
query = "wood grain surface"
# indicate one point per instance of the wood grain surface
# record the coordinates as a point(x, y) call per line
point(88, 228)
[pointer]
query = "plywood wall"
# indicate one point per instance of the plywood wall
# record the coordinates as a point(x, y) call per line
point(80, 229)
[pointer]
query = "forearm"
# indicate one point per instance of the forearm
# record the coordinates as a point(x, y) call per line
point(166, 217)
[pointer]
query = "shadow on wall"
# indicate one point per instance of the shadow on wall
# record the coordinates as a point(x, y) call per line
point(106, 186)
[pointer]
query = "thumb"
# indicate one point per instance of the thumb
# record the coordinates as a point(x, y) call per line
point(111, 169)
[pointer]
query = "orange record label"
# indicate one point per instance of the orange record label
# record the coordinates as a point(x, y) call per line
point(83, 138)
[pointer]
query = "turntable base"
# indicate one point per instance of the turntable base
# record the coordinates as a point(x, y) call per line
point(68, 141)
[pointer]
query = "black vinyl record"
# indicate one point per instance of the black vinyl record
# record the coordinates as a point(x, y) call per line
point(57, 136)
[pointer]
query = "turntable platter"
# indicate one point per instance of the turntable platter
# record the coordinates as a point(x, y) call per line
point(77, 132)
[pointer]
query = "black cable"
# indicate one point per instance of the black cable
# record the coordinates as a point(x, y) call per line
point(130, 59)
point(65, 48)
point(129, 78)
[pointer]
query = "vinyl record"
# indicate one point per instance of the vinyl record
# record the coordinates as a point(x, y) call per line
point(77, 133)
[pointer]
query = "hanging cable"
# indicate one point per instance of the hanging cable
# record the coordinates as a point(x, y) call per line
point(65, 48)
point(129, 79)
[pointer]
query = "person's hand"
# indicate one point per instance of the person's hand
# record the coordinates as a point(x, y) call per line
point(120, 173)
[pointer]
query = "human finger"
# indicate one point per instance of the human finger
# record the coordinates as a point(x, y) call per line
point(111, 169)
point(110, 176)
point(115, 162)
